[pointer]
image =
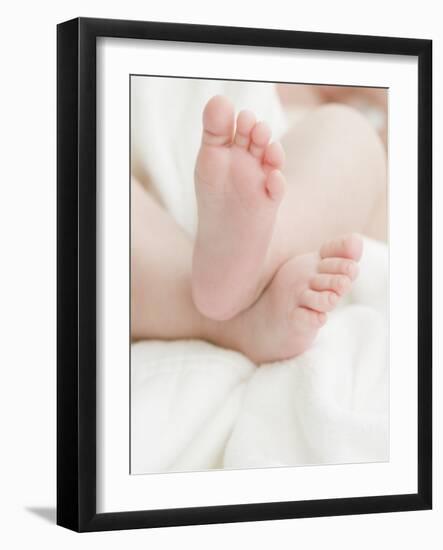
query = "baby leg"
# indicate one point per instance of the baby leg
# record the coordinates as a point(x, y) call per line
point(161, 301)
point(336, 173)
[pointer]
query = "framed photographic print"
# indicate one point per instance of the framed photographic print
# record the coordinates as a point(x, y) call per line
point(244, 274)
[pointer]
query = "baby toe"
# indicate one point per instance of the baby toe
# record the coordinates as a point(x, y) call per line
point(340, 284)
point(260, 136)
point(319, 301)
point(339, 266)
point(349, 246)
point(245, 123)
point(218, 121)
point(274, 155)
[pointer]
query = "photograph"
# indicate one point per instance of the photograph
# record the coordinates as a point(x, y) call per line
point(221, 234)
point(259, 274)
point(244, 274)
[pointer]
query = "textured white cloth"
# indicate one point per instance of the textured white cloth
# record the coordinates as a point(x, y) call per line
point(196, 406)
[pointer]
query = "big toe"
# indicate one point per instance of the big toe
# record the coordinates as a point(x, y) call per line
point(349, 246)
point(218, 121)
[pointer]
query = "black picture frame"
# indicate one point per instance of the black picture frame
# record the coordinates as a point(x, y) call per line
point(77, 287)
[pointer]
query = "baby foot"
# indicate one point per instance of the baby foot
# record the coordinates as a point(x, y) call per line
point(286, 319)
point(239, 187)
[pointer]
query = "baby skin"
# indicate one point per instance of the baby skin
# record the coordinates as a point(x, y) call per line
point(275, 249)
point(272, 304)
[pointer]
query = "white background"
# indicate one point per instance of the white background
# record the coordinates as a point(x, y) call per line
point(27, 305)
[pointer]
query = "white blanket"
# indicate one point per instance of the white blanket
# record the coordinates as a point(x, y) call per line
point(195, 406)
